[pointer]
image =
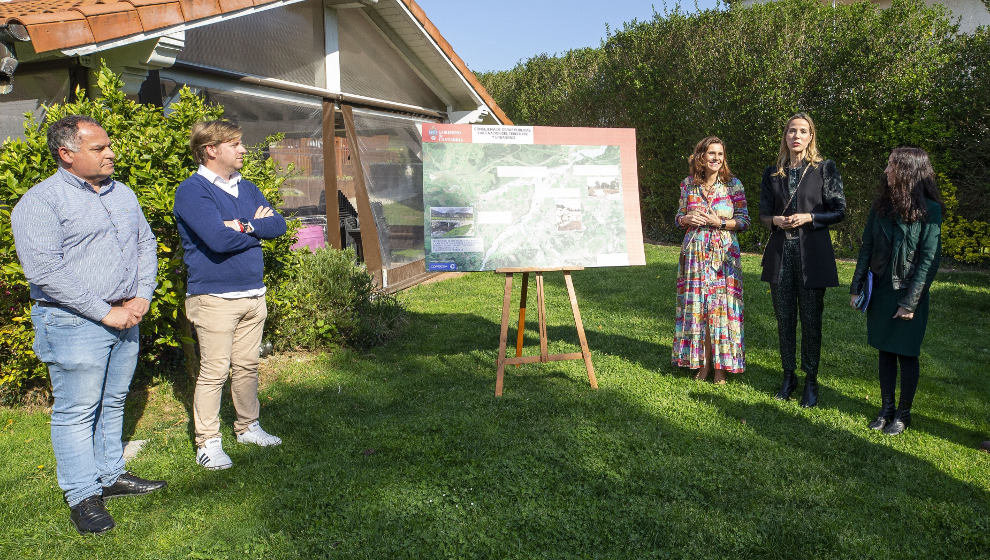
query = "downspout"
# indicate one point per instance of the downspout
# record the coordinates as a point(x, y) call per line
point(9, 33)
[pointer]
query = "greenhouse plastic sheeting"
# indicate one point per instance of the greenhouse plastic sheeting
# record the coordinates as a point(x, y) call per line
point(286, 43)
point(302, 147)
point(391, 156)
point(31, 91)
point(371, 67)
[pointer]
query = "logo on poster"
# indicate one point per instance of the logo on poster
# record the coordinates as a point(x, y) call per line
point(442, 266)
point(433, 133)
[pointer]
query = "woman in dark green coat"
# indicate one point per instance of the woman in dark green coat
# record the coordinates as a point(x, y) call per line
point(902, 248)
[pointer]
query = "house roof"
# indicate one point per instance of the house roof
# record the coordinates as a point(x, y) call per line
point(455, 60)
point(70, 23)
point(65, 24)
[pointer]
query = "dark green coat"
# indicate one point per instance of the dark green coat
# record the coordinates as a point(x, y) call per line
point(904, 259)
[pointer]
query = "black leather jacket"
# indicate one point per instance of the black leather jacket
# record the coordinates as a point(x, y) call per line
point(911, 252)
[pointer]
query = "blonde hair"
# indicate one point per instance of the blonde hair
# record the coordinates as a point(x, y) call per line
point(696, 163)
point(811, 154)
point(211, 133)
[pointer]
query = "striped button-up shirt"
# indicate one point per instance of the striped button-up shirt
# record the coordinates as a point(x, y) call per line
point(84, 249)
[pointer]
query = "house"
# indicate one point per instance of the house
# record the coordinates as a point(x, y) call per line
point(365, 72)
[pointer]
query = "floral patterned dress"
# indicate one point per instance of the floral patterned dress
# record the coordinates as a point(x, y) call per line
point(709, 281)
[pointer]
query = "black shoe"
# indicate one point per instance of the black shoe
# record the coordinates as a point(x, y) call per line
point(129, 485)
point(902, 419)
point(886, 414)
point(879, 423)
point(89, 516)
point(810, 397)
point(787, 386)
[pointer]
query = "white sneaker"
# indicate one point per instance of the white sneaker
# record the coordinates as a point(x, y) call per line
point(211, 455)
point(257, 436)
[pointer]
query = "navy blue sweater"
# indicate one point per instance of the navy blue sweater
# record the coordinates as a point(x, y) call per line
point(218, 258)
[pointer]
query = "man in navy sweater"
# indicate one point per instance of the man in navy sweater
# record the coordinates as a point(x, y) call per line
point(222, 219)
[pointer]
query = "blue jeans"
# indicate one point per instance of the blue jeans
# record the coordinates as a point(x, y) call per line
point(91, 366)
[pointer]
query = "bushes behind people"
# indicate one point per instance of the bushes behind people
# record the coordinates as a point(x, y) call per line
point(332, 301)
point(152, 158)
point(873, 79)
point(314, 301)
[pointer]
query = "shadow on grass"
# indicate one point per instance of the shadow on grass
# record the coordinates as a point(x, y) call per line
point(406, 458)
point(182, 391)
point(618, 293)
point(867, 411)
point(403, 452)
point(135, 405)
point(865, 459)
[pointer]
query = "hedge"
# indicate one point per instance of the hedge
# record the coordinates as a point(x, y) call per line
point(872, 79)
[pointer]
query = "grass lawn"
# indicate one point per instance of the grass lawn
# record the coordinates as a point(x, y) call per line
point(405, 453)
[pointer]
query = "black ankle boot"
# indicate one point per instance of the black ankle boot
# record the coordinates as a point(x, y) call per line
point(902, 419)
point(787, 386)
point(886, 414)
point(883, 419)
point(810, 396)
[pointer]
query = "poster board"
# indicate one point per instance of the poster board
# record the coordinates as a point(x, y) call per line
point(541, 197)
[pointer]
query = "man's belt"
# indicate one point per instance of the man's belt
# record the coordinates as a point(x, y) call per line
point(44, 303)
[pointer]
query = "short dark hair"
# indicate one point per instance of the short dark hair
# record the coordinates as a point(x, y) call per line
point(64, 133)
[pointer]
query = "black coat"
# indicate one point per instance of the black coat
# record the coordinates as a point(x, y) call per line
point(820, 194)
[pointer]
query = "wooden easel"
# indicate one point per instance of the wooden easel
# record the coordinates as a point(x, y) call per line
point(584, 354)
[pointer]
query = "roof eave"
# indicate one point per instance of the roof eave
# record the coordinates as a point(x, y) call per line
point(448, 51)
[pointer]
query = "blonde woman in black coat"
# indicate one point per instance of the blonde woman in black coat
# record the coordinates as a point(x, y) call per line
point(800, 197)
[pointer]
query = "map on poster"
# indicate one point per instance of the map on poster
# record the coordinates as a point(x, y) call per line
point(539, 197)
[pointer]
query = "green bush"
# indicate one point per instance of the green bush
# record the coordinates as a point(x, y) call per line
point(548, 89)
point(967, 107)
point(152, 158)
point(333, 301)
point(873, 79)
point(967, 241)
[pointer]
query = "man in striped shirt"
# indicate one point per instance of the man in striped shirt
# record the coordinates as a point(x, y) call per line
point(90, 259)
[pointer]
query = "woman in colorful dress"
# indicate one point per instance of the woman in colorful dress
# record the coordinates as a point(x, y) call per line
point(902, 248)
point(800, 197)
point(708, 330)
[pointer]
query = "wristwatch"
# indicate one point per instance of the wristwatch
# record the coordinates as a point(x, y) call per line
point(723, 223)
point(246, 227)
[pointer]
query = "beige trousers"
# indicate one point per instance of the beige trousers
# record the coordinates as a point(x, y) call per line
point(229, 332)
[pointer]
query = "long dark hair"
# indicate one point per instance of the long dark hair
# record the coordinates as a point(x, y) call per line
point(913, 181)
